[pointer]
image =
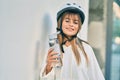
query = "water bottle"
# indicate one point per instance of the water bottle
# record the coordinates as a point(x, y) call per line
point(54, 43)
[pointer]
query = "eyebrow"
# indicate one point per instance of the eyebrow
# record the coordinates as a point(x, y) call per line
point(67, 18)
point(76, 20)
point(73, 19)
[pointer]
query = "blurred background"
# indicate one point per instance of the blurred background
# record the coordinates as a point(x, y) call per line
point(24, 29)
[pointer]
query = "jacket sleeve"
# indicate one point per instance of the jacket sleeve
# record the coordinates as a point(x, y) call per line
point(44, 76)
point(94, 71)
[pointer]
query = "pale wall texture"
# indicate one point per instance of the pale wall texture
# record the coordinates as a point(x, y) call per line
point(22, 33)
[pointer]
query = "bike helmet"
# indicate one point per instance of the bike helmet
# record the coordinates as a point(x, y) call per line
point(71, 8)
point(118, 2)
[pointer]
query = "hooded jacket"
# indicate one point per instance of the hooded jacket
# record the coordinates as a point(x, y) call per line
point(71, 71)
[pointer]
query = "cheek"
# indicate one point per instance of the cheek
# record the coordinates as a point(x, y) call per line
point(63, 29)
point(77, 28)
point(63, 26)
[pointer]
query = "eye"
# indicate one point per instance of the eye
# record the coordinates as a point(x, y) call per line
point(67, 20)
point(75, 22)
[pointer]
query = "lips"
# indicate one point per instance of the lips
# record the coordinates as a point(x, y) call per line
point(70, 29)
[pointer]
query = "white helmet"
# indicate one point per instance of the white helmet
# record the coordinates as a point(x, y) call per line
point(71, 8)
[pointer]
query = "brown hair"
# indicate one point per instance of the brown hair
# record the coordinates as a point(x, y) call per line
point(76, 41)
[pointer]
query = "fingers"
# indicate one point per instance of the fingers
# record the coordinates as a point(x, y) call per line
point(52, 61)
point(51, 52)
point(52, 56)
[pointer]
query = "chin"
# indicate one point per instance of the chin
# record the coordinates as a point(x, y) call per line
point(70, 35)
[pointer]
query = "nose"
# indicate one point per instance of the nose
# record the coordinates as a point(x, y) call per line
point(71, 24)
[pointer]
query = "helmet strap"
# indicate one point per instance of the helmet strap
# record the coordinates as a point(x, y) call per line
point(64, 36)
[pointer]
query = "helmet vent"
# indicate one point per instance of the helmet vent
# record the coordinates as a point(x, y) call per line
point(74, 3)
point(68, 4)
point(79, 6)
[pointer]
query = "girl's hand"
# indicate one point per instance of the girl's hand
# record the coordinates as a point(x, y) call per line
point(51, 59)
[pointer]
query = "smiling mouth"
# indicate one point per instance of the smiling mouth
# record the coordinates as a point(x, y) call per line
point(70, 29)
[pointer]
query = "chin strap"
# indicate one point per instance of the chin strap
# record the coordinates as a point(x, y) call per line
point(65, 36)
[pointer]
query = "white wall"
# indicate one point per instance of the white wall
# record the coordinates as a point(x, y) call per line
point(18, 35)
point(21, 28)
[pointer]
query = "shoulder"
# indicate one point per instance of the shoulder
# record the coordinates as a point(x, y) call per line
point(88, 49)
point(84, 43)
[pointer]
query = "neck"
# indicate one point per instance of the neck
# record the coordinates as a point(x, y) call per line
point(67, 43)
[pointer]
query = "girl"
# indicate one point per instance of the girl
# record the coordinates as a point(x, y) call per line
point(77, 57)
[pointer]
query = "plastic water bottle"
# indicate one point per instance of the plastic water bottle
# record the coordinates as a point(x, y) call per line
point(54, 43)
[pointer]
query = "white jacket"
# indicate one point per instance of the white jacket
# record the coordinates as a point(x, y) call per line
point(71, 71)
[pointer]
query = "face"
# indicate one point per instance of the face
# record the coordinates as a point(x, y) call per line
point(71, 24)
